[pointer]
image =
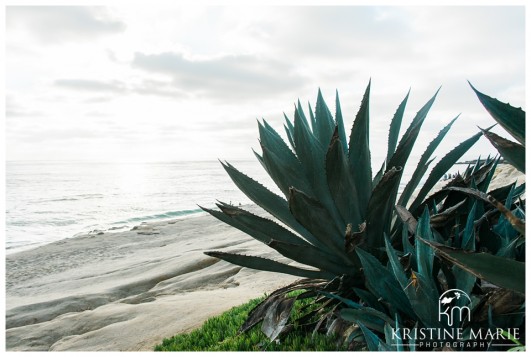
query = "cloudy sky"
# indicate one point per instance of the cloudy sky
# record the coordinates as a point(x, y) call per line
point(144, 83)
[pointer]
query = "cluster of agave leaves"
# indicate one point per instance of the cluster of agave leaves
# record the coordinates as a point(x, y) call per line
point(373, 259)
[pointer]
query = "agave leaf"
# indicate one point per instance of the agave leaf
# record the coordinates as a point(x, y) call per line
point(382, 283)
point(340, 182)
point(312, 215)
point(265, 264)
point(324, 122)
point(423, 164)
point(299, 111)
point(371, 318)
point(399, 343)
point(312, 256)
point(469, 236)
point(370, 299)
point(360, 154)
point(504, 228)
point(378, 177)
point(423, 296)
point(503, 272)
point(396, 267)
point(424, 253)
point(484, 185)
point(510, 118)
point(373, 341)
point(307, 147)
point(501, 193)
point(442, 167)
point(312, 156)
point(341, 125)
point(348, 302)
point(274, 143)
point(464, 280)
point(272, 203)
point(380, 208)
point(290, 136)
point(516, 222)
point(406, 217)
point(442, 219)
point(262, 229)
point(289, 131)
point(276, 317)
point(285, 174)
point(513, 152)
point(405, 146)
point(394, 128)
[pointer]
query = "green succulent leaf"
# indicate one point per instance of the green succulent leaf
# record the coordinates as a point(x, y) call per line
point(309, 255)
point(382, 283)
point(373, 341)
point(407, 218)
point(407, 141)
point(341, 183)
point(341, 125)
point(312, 156)
point(503, 272)
point(442, 167)
point(510, 118)
point(394, 128)
point(360, 154)
point(513, 152)
point(264, 264)
point(272, 203)
point(371, 318)
point(271, 139)
point(324, 122)
point(396, 267)
point(423, 164)
point(262, 229)
point(311, 214)
point(424, 253)
point(285, 174)
point(380, 207)
point(516, 222)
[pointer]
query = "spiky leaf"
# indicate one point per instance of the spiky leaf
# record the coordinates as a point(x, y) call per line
point(265, 264)
point(266, 199)
point(510, 118)
point(407, 141)
point(503, 272)
point(359, 152)
point(380, 208)
point(306, 254)
point(423, 164)
point(442, 167)
point(513, 152)
point(341, 183)
point(394, 128)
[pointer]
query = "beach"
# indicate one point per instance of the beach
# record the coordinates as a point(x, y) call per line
point(126, 291)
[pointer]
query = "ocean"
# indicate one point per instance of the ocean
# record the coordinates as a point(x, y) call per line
point(50, 201)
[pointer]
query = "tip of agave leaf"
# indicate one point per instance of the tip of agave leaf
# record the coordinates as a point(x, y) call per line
point(204, 208)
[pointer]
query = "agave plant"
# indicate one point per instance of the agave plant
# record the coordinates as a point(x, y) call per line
point(436, 256)
point(474, 242)
point(332, 203)
point(333, 206)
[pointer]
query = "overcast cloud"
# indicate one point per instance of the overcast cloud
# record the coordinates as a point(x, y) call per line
point(151, 83)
